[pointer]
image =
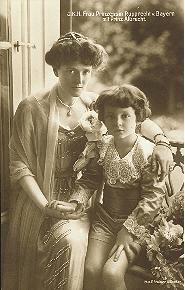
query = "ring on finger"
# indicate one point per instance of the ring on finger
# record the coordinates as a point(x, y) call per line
point(63, 214)
point(170, 167)
point(121, 247)
point(53, 203)
point(137, 242)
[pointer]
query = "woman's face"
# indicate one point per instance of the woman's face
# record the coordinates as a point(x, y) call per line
point(74, 78)
point(120, 122)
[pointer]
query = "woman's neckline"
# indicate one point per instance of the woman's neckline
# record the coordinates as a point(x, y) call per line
point(68, 129)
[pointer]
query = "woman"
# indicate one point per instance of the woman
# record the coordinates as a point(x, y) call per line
point(47, 242)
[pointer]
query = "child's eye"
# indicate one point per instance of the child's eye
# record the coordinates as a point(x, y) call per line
point(87, 71)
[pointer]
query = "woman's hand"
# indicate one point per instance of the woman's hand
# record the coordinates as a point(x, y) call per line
point(162, 156)
point(125, 241)
point(78, 213)
point(62, 210)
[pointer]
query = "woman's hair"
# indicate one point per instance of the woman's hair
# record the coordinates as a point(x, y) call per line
point(73, 47)
point(124, 96)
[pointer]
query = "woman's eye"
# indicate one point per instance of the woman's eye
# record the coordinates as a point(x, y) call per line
point(71, 71)
point(125, 116)
point(109, 116)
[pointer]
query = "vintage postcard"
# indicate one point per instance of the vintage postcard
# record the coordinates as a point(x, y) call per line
point(92, 144)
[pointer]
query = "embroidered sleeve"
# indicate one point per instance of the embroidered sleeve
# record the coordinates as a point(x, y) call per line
point(102, 146)
point(152, 196)
point(92, 149)
point(18, 169)
point(19, 173)
point(89, 152)
point(89, 182)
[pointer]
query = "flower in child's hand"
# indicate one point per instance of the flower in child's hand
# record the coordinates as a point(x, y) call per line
point(93, 127)
point(89, 122)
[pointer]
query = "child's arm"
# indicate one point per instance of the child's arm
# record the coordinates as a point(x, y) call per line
point(152, 196)
point(90, 181)
point(135, 228)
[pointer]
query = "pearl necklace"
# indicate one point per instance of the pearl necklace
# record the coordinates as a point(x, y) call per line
point(67, 106)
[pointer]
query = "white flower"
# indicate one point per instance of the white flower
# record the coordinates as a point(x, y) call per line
point(171, 232)
point(90, 122)
point(93, 127)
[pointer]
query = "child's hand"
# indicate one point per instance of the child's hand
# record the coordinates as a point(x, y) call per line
point(78, 213)
point(125, 241)
point(79, 207)
point(132, 250)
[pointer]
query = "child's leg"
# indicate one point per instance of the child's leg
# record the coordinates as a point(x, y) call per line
point(97, 254)
point(114, 272)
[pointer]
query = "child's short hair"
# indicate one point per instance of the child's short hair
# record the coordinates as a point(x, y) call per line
point(124, 96)
point(73, 47)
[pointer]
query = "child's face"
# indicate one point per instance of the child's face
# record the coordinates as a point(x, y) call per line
point(120, 122)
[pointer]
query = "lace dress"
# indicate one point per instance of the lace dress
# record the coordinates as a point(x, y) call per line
point(57, 244)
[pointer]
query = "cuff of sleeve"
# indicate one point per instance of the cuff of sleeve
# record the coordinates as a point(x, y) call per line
point(139, 231)
point(93, 136)
point(19, 173)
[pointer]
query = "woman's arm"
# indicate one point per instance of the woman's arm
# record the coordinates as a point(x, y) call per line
point(31, 188)
point(150, 129)
point(162, 154)
point(23, 154)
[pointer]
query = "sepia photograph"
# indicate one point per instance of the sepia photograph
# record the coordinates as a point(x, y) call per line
point(92, 144)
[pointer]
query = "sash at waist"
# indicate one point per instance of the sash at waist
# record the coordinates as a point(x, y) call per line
point(120, 201)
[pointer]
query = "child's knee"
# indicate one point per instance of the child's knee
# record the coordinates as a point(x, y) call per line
point(112, 276)
point(92, 270)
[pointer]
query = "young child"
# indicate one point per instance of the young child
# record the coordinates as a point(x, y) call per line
point(132, 194)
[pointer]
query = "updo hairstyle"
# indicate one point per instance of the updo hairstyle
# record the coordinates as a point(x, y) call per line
point(74, 47)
